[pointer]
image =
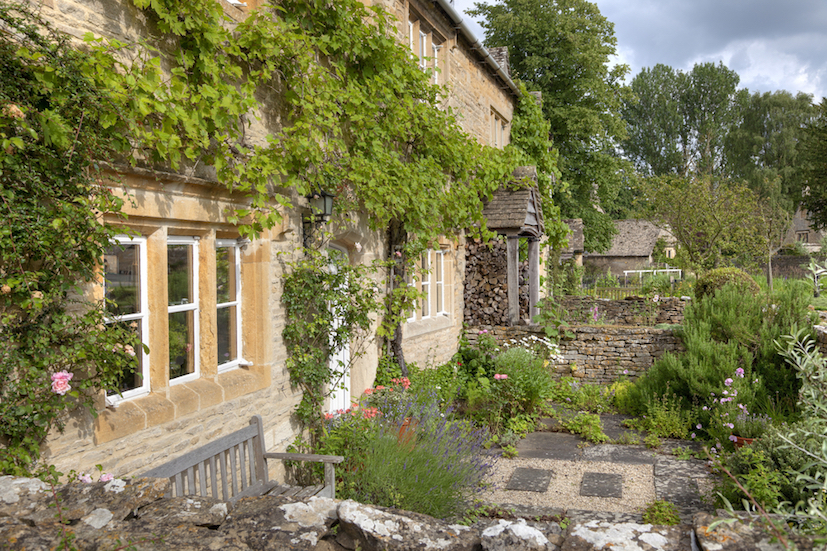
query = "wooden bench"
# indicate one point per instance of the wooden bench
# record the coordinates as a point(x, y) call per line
point(235, 466)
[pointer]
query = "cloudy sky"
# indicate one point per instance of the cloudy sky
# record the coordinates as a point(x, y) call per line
point(771, 44)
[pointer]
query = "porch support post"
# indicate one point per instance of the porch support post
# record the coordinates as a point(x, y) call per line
point(513, 259)
point(533, 277)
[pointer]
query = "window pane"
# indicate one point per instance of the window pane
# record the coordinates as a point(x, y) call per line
point(131, 377)
point(225, 275)
point(438, 276)
point(227, 333)
point(426, 291)
point(179, 274)
point(121, 271)
point(181, 343)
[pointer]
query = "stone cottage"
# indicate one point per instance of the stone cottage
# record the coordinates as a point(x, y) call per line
point(632, 248)
point(207, 302)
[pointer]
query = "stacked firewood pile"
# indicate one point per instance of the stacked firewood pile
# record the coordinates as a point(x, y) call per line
point(486, 285)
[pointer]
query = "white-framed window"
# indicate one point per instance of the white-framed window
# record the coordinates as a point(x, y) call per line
point(436, 48)
point(423, 38)
point(410, 279)
point(439, 282)
point(125, 291)
point(425, 284)
point(498, 130)
point(183, 308)
point(228, 304)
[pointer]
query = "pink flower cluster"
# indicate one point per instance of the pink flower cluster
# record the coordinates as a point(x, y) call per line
point(500, 377)
point(403, 381)
point(105, 477)
point(60, 382)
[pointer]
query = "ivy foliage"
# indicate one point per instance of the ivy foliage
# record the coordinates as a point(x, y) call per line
point(530, 137)
point(355, 115)
point(55, 124)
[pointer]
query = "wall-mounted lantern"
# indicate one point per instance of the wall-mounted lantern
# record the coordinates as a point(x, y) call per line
point(321, 209)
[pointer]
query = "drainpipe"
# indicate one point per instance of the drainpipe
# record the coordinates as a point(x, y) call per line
point(476, 44)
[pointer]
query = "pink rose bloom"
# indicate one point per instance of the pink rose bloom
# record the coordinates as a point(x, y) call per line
point(739, 372)
point(106, 477)
point(85, 478)
point(727, 382)
point(60, 382)
point(498, 376)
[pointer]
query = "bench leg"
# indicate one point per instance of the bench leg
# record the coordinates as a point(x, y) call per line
point(329, 481)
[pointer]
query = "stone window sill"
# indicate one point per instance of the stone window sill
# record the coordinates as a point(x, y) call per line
point(157, 408)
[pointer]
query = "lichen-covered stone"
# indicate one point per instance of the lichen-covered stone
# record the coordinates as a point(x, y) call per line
point(514, 535)
point(375, 528)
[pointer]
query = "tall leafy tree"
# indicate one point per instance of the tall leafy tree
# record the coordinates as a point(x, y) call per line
point(762, 148)
point(562, 48)
point(714, 224)
point(814, 176)
point(678, 121)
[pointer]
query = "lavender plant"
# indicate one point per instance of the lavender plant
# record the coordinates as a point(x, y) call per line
point(437, 471)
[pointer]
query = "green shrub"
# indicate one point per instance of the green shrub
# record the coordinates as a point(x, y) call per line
point(666, 419)
point(447, 380)
point(756, 473)
point(582, 397)
point(661, 513)
point(729, 355)
point(713, 280)
point(586, 425)
point(519, 387)
point(529, 381)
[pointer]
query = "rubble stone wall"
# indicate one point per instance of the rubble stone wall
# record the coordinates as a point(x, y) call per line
point(597, 353)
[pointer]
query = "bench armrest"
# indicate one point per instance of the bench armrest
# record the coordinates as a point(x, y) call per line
point(305, 457)
point(328, 460)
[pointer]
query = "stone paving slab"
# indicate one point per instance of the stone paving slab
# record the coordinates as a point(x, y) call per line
point(529, 480)
point(635, 455)
point(602, 485)
point(551, 445)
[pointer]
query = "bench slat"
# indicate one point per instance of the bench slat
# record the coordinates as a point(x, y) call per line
point(201, 454)
point(202, 482)
point(309, 491)
point(213, 479)
point(242, 470)
point(222, 461)
point(305, 457)
point(233, 470)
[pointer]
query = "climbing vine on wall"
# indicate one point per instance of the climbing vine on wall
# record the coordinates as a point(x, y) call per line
point(56, 124)
point(328, 305)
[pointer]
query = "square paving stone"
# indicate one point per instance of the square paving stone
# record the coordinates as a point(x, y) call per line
point(601, 485)
point(529, 480)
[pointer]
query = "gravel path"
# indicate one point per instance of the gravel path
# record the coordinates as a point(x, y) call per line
point(564, 490)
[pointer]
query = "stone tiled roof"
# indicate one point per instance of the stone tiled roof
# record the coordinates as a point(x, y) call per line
point(576, 239)
point(514, 212)
point(634, 238)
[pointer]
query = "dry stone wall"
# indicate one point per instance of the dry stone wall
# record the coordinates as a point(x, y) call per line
point(630, 311)
point(134, 514)
point(597, 353)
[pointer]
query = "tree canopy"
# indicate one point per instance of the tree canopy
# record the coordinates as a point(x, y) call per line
point(562, 48)
point(700, 123)
point(814, 177)
point(713, 223)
